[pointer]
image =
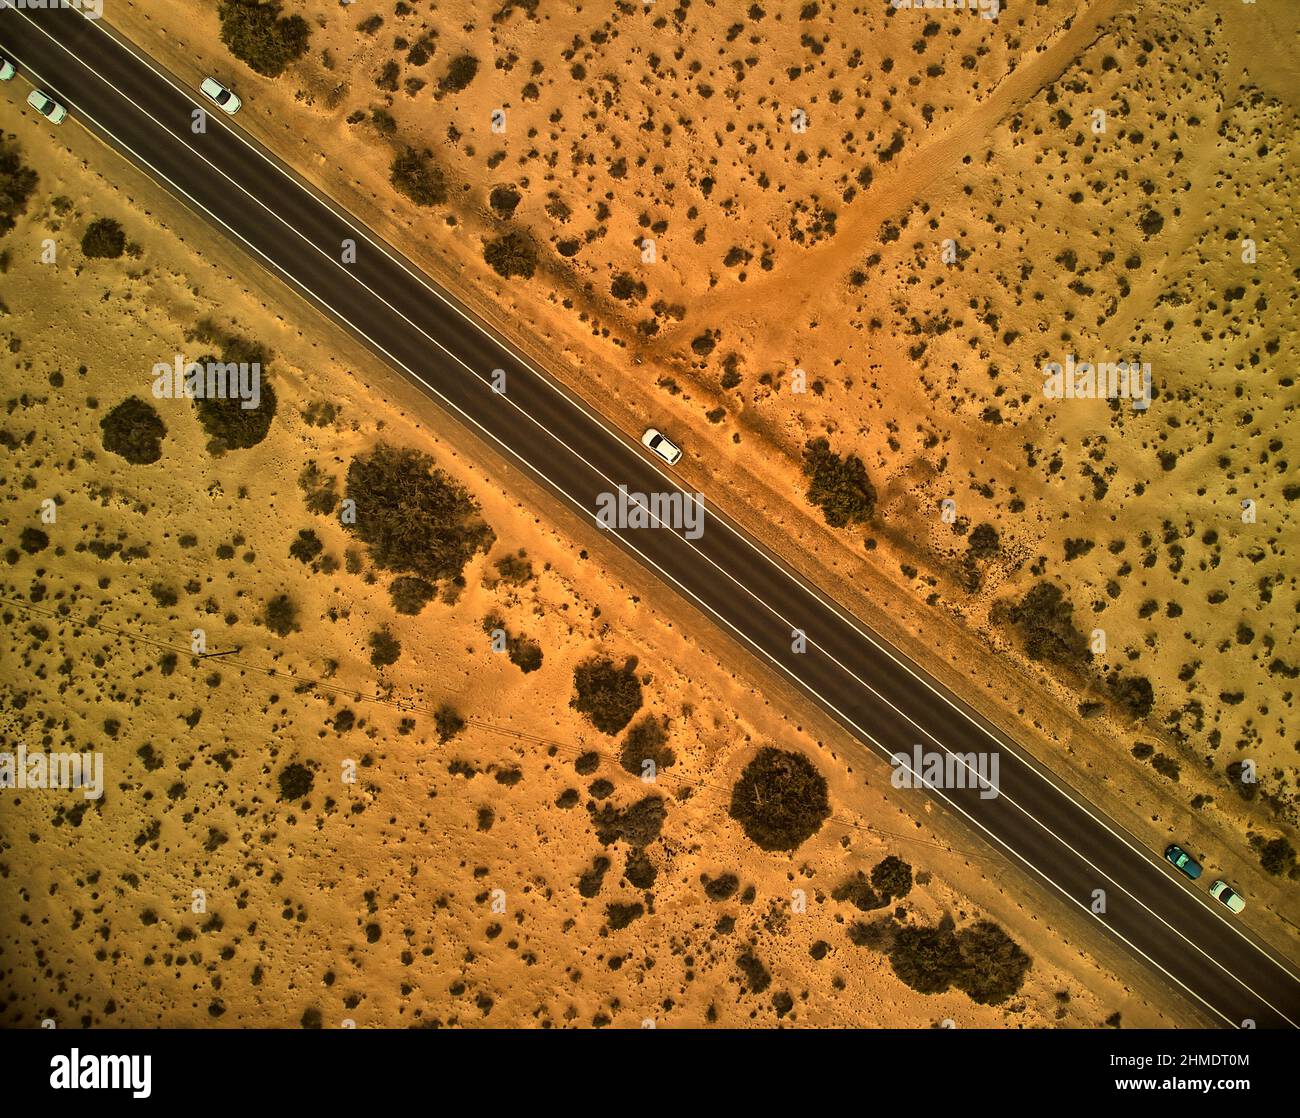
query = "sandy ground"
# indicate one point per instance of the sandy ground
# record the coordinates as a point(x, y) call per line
point(442, 886)
point(954, 216)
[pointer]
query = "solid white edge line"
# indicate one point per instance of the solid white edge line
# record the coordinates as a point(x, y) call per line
point(826, 703)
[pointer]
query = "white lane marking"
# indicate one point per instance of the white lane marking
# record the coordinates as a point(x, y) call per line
point(993, 733)
point(668, 577)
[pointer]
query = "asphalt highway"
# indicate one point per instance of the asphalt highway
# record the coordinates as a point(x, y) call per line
point(887, 703)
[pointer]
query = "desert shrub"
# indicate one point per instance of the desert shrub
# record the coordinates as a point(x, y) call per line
point(417, 178)
point(1277, 856)
point(295, 781)
point(17, 183)
point(892, 877)
point(1166, 766)
point(720, 888)
point(306, 546)
point(780, 799)
point(413, 517)
point(257, 35)
point(515, 569)
point(228, 424)
point(859, 892)
point(640, 871)
point(448, 722)
point(838, 486)
point(410, 594)
point(281, 615)
point(647, 741)
point(104, 238)
point(32, 540)
point(523, 652)
point(758, 977)
point(512, 254)
point(993, 967)
point(619, 915)
point(638, 825)
point(983, 542)
point(1132, 692)
point(384, 648)
point(319, 489)
point(133, 430)
point(926, 959)
point(503, 200)
point(1045, 618)
point(459, 74)
point(590, 881)
point(231, 426)
point(607, 695)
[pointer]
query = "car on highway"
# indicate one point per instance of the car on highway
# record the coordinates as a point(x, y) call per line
point(7, 69)
point(224, 98)
point(1221, 892)
point(662, 445)
point(1180, 859)
point(47, 106)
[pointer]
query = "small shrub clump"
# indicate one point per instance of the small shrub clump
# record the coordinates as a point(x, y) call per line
point(838, 486)
point(104, 238)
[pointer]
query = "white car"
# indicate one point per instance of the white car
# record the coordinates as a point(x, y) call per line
point(7, 69)
point(47, 106)
point(221, 96)
point(1220, 892)
point(668, 450)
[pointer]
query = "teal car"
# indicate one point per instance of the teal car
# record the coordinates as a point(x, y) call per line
point(1180, 859)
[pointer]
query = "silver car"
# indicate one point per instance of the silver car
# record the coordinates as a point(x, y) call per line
point(224, 98)
point(7, 69)
point(662, 445)
point(47, 106)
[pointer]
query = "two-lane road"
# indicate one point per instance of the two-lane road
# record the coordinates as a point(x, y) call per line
point(884, 701)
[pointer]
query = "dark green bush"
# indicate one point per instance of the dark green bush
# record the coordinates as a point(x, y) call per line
point(512, 254)
point(1045, 618)
point(459, 74)
point(448, 722)
point(306, 547)
point(416, 177)
point(780, 799)
point(410, 595)
point(104, 238)
point(892, 877)
point(133, 430)
point(413, 517)
point(1132, 692)
point(281, 615)
point(993, 967)
point(384, 648)
point(295, 781)
point(1277, 856)
point(257, 35)
point(647, 741)
point(838, 486)
point(608, 696)
point(17, 183)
